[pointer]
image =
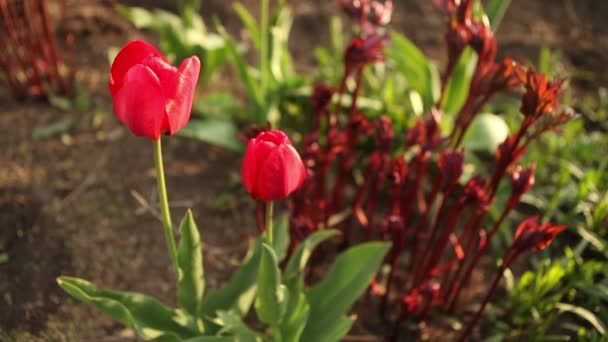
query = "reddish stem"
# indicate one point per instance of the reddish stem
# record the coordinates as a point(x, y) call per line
point(469, 271)
point(508, 259)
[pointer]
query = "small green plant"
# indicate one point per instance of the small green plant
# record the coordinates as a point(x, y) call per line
point(271, 83)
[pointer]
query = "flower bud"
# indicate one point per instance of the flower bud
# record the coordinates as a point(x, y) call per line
point(451, 164)
point(361, 52)
point(530, 235)
point(272, 168)
point(522, 181)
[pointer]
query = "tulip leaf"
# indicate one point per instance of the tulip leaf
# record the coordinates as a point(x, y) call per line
point(333, 296)
point(457, 88)
point(238, 294)
point(191, 283)
point(271, 297)
point(335, 331)
point(210, 339)
point(232, 323)
point(146, 315)
point(293, 324)
point(298, 260)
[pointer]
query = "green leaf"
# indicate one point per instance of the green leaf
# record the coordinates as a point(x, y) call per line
point(584, 314)
point(280, 65)
point(215, 57)
point(249, 22)
point(231, 323)
point(215, 131)
point(188, 9)
point(486, 132)
point(496, 9)
point(210, 339)
point(139, 16)
point(253, 89)
point(239, 293)
point(271, 297)
point(337, 330)
point(332, 297)
point(217, 105)
point(420, 73)
point(172, 338)
point(55, 128)
point(298, 260)
point(146, 315)
point(191, 282)
point(457, 89)
point(293, 324)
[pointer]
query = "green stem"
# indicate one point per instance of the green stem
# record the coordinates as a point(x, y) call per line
point(269, 232)
point(164, 202)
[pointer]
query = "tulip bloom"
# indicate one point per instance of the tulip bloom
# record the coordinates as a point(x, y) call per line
point(272, 168)
point(151, 96)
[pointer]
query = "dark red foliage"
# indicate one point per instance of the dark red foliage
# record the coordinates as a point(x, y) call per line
point(522, 180)
point(371, 14)
point(410, 190)
point(364, 51)
point(30, 62)
point(530, 235)
point(451, 164)
point(541, 94)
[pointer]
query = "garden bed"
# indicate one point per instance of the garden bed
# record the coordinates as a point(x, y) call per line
point(76, 202)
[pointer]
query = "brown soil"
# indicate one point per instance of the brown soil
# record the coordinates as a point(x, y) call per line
point(68, 203)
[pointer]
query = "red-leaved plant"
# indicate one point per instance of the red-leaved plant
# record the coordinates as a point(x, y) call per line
point(418, 199)
point(154, 98)
point(30, 62)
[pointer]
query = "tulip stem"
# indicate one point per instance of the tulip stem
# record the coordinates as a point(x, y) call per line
point(164, 203)
point(269, 232)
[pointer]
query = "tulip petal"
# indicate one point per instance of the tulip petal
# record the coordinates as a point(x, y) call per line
point(133, 53)
point(256, 154)
point(249, 168)
point(180, 93)
point(162, 68)
point(275, 136)
point(140, 102)
point(282, 173)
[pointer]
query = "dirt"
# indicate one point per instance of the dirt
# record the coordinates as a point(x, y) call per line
point(75, 203)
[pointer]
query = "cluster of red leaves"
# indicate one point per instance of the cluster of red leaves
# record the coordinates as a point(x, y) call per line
point(418, 200)
point(30, 62)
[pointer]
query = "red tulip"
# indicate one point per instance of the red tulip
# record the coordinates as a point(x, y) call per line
point(151, 96)
point(272, 168)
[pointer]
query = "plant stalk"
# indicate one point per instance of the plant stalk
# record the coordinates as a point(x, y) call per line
point(269, 223)
point(164, 203)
